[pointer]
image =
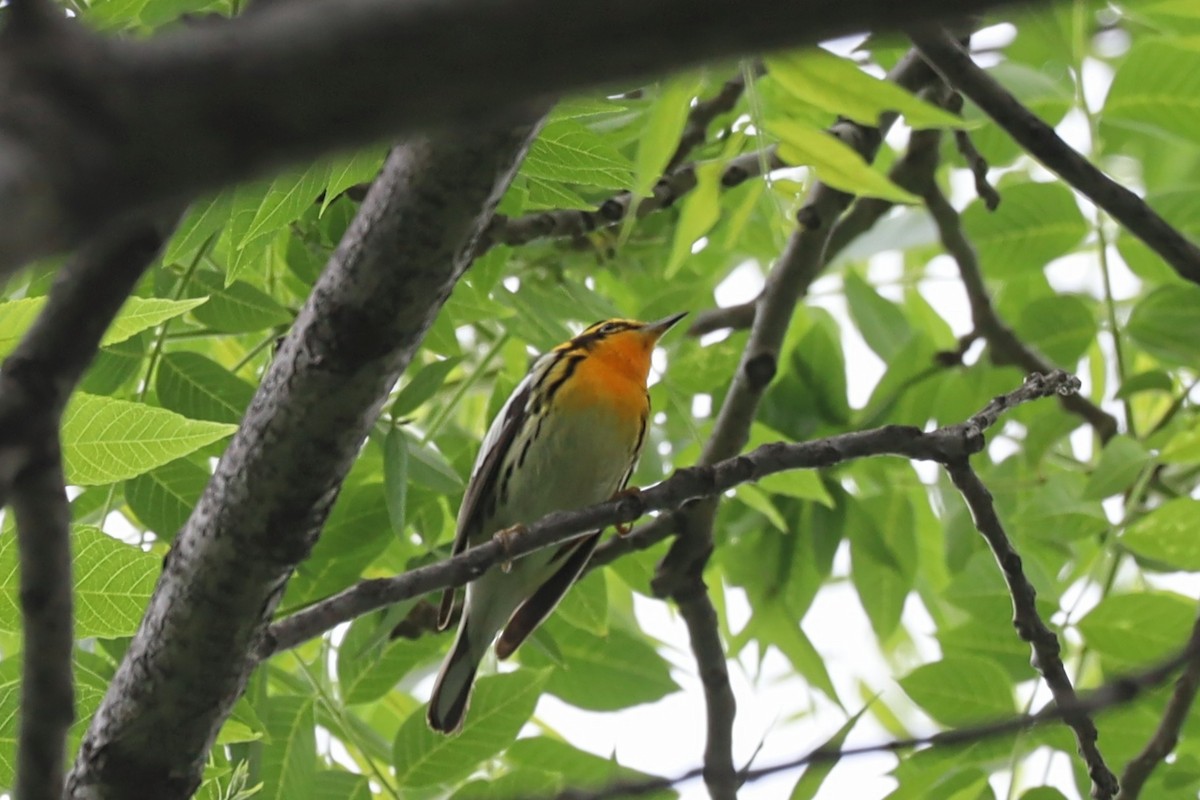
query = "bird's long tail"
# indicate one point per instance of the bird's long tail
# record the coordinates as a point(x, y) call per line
point(452, 690)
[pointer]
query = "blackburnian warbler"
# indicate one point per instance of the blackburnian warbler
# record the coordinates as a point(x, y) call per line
point(568, 437)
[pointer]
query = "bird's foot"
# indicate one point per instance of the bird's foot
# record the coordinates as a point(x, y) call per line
point(623, 528)
point(505, 539)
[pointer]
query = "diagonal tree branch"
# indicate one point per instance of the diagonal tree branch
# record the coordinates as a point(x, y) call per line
point(1039, 139)
point(274, 486)
point(942, 445)
point(1006, 346)
point(1029, 624)
point(92, 127)
point(1117, 692)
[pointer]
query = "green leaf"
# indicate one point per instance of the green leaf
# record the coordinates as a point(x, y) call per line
point(204, 219)
point(567, 152)
point(200, 388)
point(395, 478)
point(356, 532)
point(115, 366)
point(287, 197)
point(242, 725)
point(837, 85)
point(1166, 323)
point(136, 315)
point(92, 675)
point(1136, 629)
point(543, 194)
point(815, 774)
point(960, 690)
point(1121, 462)
point(1182, 448)
point(422, 386)
point(772, 625)
point(163, 498)
point(661, 130)
point(700, 211)
point(1035, 224)
point(429, 468)
point(835, 162)
point(605, 673)
point(1168, 534)
point(337, 785)
point(358, 167)
point(1156, 380)
point(585, 605)
point(112, 584)
point(803, 484)
point(106, 440)
point(1062, 327)
point(578, 769)
point(368, 668)
point(758, 500)
point(881, 322)
point(500, 706)
point(289, 765)
point(1155, 86)
point(517, 784)
point(237, 308)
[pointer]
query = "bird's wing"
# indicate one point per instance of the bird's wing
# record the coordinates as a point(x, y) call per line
point(496, 444)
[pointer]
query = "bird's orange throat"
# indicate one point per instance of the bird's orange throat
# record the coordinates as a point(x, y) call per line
point(613, 375)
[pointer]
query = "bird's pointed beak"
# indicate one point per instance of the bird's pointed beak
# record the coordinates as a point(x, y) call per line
point(658, 328)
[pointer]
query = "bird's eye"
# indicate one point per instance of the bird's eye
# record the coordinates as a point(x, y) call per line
point(608, 327)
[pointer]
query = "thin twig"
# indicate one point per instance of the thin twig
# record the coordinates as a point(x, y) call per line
point(1115, 693)
point(1029, 624)
point(1006, 346)
point(906, 173)
point(942, 445)
point(680, 574)
point(1166, 736)
point(1039, 139)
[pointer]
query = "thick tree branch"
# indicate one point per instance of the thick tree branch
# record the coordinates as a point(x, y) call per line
point(1116, 693)
point(1039, 139)
point(274, 486)
point(92, 128)
point(943, 445)
point(1029, 624)
point(35, 383)
point(1006, 346)
point(1166, 736)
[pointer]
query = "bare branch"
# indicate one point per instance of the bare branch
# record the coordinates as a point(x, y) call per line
point(1029, 131)
point(274, 486)
point(1111, 695)
point(942, 445)
point(906, 173)
point(92, 128)
point(35, 383)
point(1030, 627)
point(1006, 346)
point(39, 500)
point(1166, 736)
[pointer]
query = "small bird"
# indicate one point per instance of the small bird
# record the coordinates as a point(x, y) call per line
point(569, 436)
